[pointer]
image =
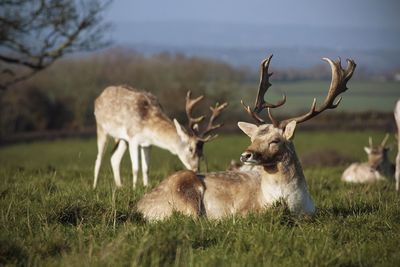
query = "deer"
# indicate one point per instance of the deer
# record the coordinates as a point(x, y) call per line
point(272, 171)
point(397, 119)
point(377, 168)
point(135, 119)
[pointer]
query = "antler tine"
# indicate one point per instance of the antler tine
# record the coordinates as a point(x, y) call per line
point(193, 123)
point(215, 113)
point(260, 102)
point(338, 85)
point(340, 77)
point(257, 118)
point(264, 85)
point(370, 141)
point(273, 120)
point(383, 144)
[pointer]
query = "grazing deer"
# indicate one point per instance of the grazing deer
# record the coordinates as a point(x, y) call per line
point(136, 119)
point(397, 118)
point(274, 171)
point(377, 168)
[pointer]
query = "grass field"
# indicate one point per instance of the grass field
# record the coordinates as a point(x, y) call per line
point(361, 96)
point(51, 216)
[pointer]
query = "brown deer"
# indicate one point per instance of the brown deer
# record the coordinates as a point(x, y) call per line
point(273, 172)
point(136, 119)
point(377, 168)
point(397, 118)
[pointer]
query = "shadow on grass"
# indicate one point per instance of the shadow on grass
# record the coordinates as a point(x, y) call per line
point(349, 211)
point(12, 253)
point(204, 243)
point(81, 214)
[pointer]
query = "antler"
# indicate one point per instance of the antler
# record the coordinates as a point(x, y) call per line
point(193, 123)
point(215, 112)
point(260, 102)
point(383, 144)
point(340, 77)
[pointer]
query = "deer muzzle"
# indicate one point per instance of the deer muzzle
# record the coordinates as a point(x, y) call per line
point(250, 157)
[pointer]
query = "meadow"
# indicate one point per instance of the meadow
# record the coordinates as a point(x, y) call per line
point(360, 97)
point(51, 216)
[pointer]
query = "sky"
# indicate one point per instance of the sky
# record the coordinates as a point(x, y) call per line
point(377, 14)
point(336, 28)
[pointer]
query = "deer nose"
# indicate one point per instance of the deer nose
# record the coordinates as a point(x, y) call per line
point(246, 156)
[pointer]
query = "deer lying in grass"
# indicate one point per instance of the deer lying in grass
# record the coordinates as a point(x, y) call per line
point(135, 119)
point(397, 118)
point(275, 174)
point(377, 168)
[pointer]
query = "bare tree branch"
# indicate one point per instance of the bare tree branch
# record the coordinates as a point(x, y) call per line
point(34, 34)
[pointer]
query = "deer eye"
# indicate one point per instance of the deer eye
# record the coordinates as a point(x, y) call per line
point(190, 149)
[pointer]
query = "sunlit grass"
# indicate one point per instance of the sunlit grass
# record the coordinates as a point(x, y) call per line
point(51, 216)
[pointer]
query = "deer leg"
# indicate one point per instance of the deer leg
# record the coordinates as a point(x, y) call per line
point(133, 151)
point(101, 144)
point(397, 173)
point(145, 157)
point(116, 161)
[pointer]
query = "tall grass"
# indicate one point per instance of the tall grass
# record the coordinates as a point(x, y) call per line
point(49, 214)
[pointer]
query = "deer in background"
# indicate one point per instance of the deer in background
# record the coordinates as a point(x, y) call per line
point(274, 171)
point(397, 118)
point(377, 168)
point(135, 119)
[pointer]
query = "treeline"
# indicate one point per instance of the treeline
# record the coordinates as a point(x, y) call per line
point(61, 97)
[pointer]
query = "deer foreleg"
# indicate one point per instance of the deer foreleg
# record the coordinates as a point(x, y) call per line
point(145, 157)
point(101, 144)
point(133, 150)
point(397, 174)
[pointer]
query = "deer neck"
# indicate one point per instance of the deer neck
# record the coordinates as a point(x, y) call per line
point(286, 181)
point(163, 134)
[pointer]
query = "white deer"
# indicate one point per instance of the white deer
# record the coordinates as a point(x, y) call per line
point(274, 173)
point(397, 118)
point(378, 167)
point(135, 119)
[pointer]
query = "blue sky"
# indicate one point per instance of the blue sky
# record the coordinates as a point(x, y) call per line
point(368, 30)
point(338, 13)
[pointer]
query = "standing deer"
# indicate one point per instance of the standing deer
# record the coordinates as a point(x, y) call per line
point(397, 118)
point(274, 171)
point(377, 168)
point(135, 118)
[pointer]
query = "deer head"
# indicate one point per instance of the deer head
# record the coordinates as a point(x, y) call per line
point(377, 154)
point(194, 140)
point(271, 143)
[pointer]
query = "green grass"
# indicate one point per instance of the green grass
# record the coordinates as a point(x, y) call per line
point(51, 216)
point(361, 96)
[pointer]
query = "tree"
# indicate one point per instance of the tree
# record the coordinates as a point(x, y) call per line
point(35, 33)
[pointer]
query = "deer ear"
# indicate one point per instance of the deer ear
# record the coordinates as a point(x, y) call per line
point(367, 150)
point(181, 131)
point(288, 133)
point(248, 128)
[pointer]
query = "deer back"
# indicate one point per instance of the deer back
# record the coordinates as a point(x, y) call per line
point(126, 107)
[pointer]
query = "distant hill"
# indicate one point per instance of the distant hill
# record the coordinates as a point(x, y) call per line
point(376, 50)
point(375, 61)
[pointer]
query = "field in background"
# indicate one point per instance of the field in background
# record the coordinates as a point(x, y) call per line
point(51, 216)
point(361, 96)
point(52, 100)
